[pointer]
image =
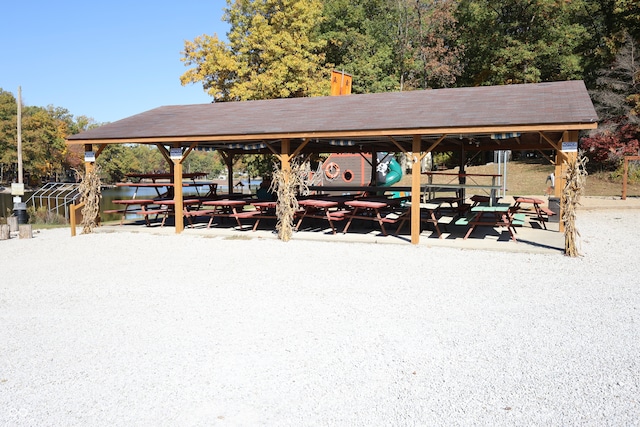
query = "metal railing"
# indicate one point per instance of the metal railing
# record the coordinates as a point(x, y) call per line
point(56, 197)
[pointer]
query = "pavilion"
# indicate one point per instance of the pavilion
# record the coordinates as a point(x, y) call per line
point(541, 116)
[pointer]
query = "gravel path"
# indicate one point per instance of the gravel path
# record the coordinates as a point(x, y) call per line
point(135, 329)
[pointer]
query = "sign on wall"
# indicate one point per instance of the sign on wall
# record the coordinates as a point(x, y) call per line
point(570, 147)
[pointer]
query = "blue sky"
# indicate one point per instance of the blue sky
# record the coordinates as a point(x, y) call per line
point(105, 59)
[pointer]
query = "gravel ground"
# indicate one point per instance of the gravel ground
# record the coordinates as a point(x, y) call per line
point(136, 329)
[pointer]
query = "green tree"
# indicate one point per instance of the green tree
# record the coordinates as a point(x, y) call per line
point(116, 161)
point(360, 41)
point(8, 114)
point(274, 51)
point(523, 41)
point(43, 146)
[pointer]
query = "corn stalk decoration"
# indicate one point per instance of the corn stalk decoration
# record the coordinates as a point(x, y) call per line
point(575, 176)
point(287, 184)
point(90, 194)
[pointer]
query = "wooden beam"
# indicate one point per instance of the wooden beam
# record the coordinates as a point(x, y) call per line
point(186, 153)
point(552, 127)
point(165, 153)
point(285, 157)
point(415, 192)
point(434, 145)
point(397, 144)
point(300, 147)
point(555, 145)
point(177, 195)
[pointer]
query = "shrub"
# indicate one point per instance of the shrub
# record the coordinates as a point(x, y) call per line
point(607, 148)
point(43, 216)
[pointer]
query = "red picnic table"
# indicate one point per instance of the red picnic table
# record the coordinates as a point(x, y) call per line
point(322, 209)
point(224, 208)
point(542, 212)
point(368, 210)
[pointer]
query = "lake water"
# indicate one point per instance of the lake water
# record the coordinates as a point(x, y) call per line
point(116, 193)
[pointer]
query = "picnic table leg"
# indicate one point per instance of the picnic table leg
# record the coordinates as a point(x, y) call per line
point(507, 219)
point(235, 215)
point(297, 227)
point(540, 216)
point(328, 215)
point(212, 216)
point(472, 224)
point(434, 221)
point(379, 218)
point(346, 227)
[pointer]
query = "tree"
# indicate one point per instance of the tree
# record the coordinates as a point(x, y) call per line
point(522, 41)
point(607, 147)
point(8, 120)
point(43, 143)
point(360, 39)
point(393, 44)
point(628, 13)
point(427, 49)
point(618, 84)
point(274, 51)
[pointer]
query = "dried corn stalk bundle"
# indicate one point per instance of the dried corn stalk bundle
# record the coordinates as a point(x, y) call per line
point(90, 194)
point(287, 184)
point(575, 177)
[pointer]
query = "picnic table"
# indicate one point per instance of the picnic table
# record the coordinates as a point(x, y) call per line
point(264, 209)
point(131, 206)
point(321, 209)
point(542, 212)
point(369, 210)
point(428, 212)
point(221, 208)
point(498, 215)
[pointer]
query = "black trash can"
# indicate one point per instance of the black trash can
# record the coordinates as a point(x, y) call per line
point(20, 210)
point(554, 206)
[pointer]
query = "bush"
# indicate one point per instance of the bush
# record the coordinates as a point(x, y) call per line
point(607, 148)
point(633, 176)
point(43, 216)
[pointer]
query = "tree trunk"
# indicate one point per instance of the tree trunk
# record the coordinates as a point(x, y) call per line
point(26, 231)
point(4, 232)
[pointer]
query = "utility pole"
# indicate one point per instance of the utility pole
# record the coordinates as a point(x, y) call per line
point(17, 189)
point(20, 135)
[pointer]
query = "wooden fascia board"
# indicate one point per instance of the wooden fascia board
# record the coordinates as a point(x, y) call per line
point(559, 127)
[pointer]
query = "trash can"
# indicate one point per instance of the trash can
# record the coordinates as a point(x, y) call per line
point(20, 210)
point(554, 206)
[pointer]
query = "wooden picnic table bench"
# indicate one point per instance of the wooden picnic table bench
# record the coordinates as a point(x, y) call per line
point(542, 212)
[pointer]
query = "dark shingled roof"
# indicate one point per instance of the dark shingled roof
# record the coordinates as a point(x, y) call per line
point(553, 106)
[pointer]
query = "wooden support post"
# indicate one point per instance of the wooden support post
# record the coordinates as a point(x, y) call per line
point(415, 190)
point(73, 217)
point(177, 195)
point(88, 166)
point(625, 177)
point(285, 157)
point(561, 169)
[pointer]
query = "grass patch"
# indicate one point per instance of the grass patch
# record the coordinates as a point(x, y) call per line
point(528, 177)
point(238, 237)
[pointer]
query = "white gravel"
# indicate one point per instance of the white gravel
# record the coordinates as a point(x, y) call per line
point(130, 329)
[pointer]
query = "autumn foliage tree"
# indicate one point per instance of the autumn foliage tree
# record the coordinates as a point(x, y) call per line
point(606, 148)
point(274, 51)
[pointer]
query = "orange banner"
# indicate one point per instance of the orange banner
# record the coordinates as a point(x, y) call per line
point(340, 83)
